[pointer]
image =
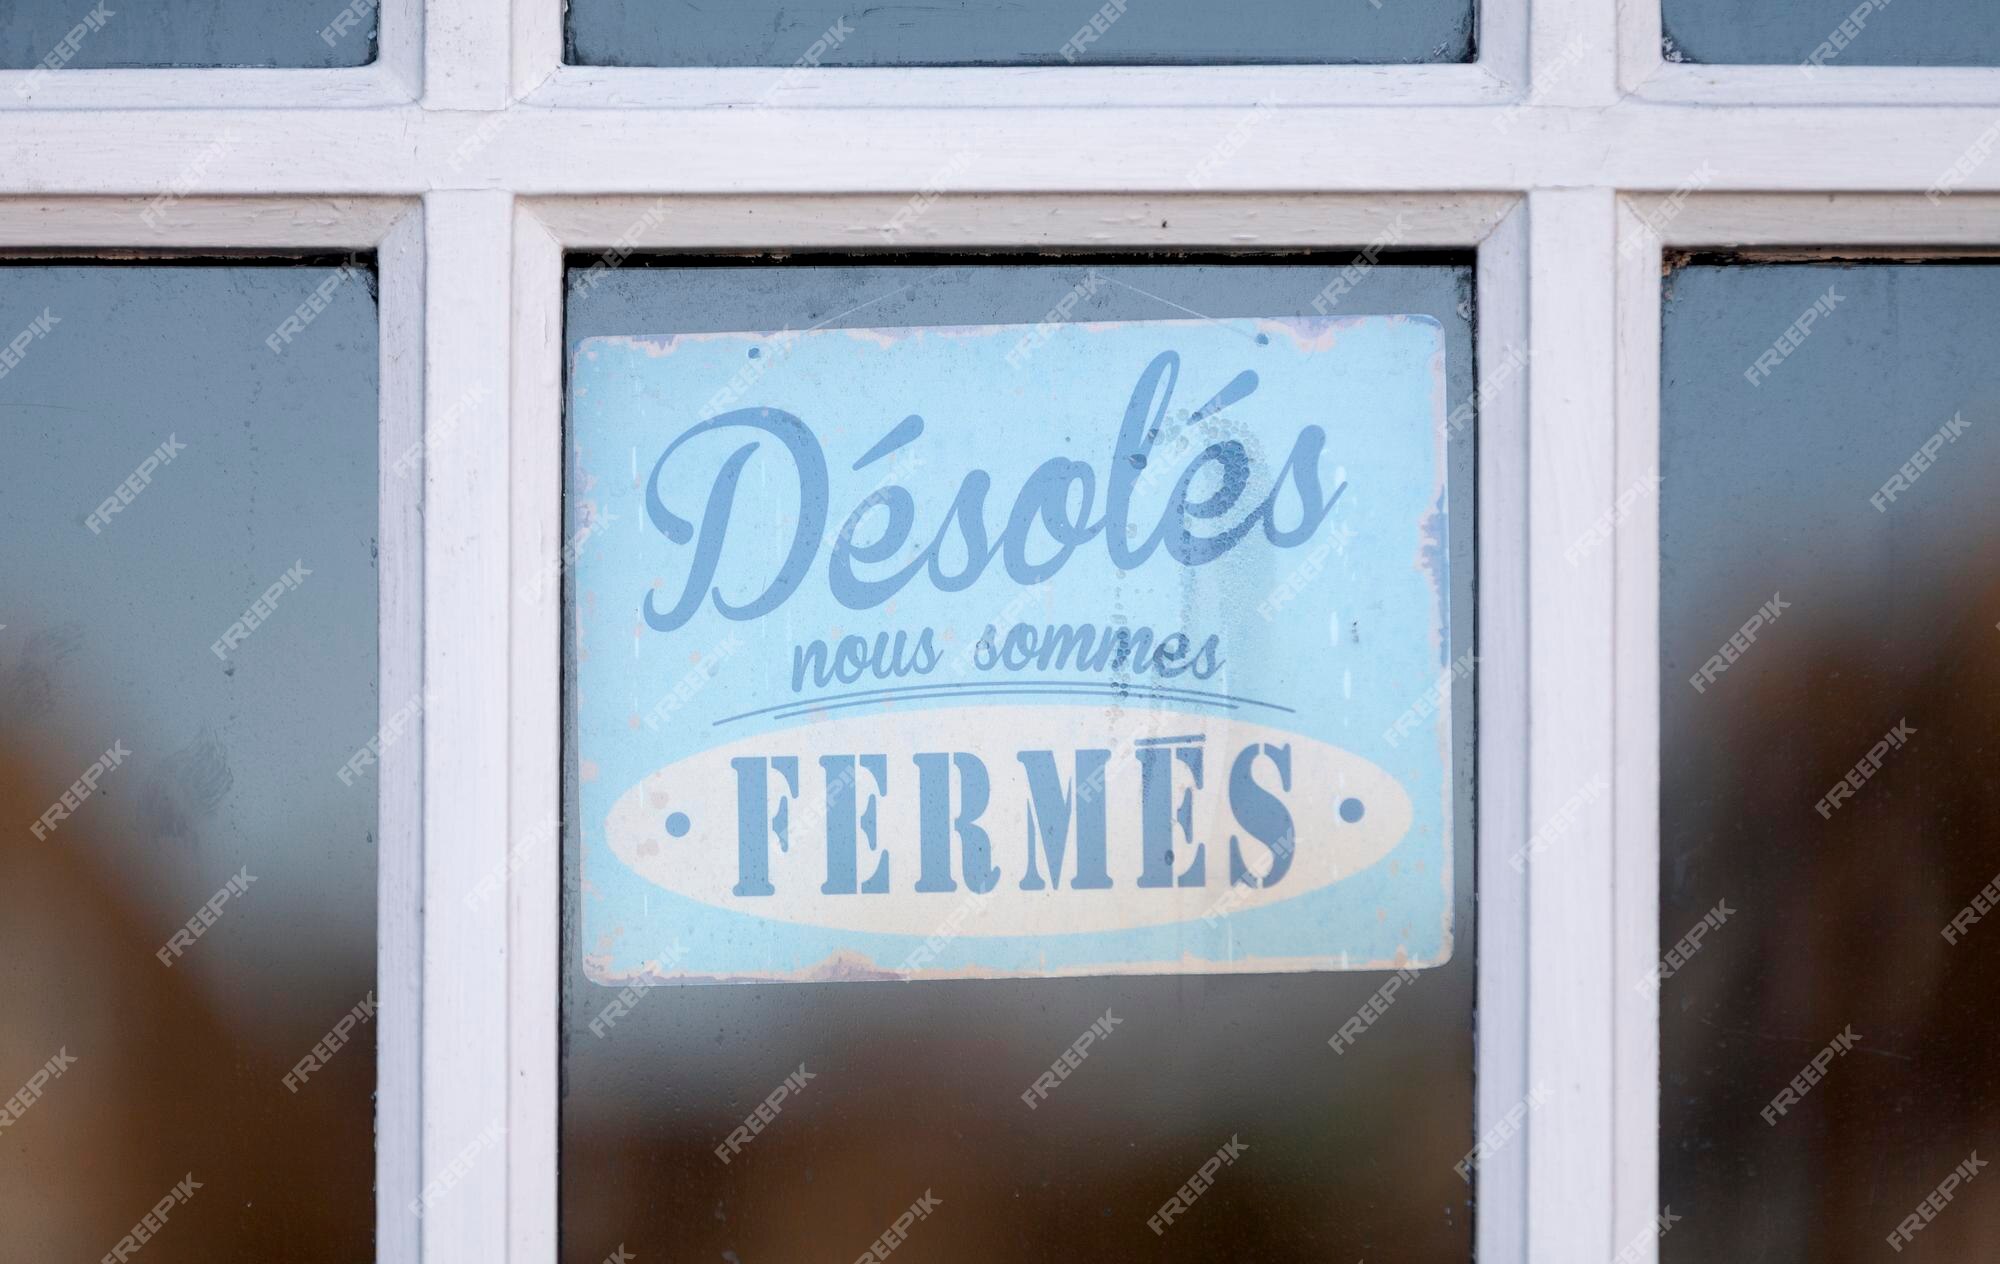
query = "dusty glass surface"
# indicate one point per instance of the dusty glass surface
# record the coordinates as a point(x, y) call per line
point(917, 1085)
point(1021, 33)
point(187, 660)
point(1827, 803)
point(1823, 33)
point(86, 34)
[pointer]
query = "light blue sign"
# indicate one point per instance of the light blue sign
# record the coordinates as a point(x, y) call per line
point(1012, 651)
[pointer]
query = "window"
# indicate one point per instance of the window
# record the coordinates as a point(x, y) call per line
point(190, 686)
point(661, 1076)
point(1853, 469)
point(1819, 33)
point(59, 35)
point(625, 33)
point(1562, 154)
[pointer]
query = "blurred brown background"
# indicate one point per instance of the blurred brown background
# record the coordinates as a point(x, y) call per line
point(105, 637)
point(1767, 491)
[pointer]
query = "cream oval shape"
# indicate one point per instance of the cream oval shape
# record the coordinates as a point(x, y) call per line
point(678, 826)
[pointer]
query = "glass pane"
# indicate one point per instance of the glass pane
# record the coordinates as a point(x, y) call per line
point(1820, 33)
point(94, 34)
point(1029, 33)
point(899, 1088)
point(187, 660)
point(1830, 633)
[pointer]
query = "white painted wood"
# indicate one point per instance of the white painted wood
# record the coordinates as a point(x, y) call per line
point(1236, 88)
point(400, 858)
point(390, 79)
point(198, 223)
point(1503, 44)
point(1572, 53)
point(399, 49)
point(468, 55)
point(537, 44)
point(1818, 221)
point(1636, 770)
point(535, 724)
point(1634, 145)
point(1571, 488)
point(1079, 220)
point(467, 293)
point(1829, 85)
point(1639, 55)
point(1501, 430)
point(1641, 231)
point(372, 85)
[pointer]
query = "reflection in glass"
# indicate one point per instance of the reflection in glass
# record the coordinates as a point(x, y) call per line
point(187, 659)
point(56, 35)
point(1844, 502)
point(916, 1086)
point(1819, 35)
point(808, 33)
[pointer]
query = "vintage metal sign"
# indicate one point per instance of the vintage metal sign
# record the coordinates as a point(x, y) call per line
point(1007, 651)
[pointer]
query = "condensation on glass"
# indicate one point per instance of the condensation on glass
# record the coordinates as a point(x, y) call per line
point(1829, 681)
point(187, 661)
point(1023, 33)
point(89, 35)
point(1816, 34)
point(916, 1086)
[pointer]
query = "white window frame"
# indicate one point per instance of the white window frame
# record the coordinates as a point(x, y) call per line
point(545, 229)
point(392, 229)
point(470, 161)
